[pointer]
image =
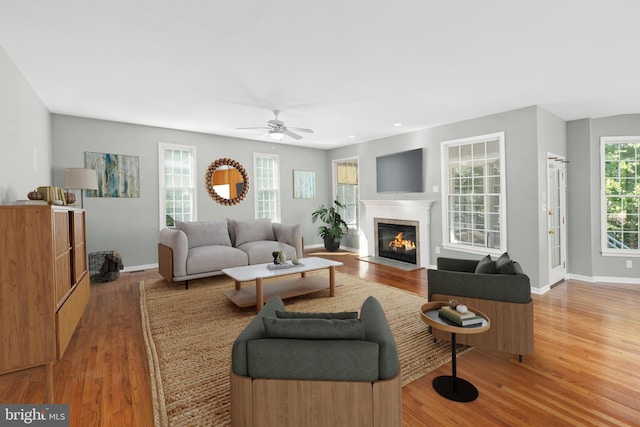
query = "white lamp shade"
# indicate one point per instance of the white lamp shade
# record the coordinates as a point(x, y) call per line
point(81, 178)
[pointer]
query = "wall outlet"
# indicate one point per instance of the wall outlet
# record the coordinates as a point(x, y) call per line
point(629, 263)
point(437, 249)
point(436, 189)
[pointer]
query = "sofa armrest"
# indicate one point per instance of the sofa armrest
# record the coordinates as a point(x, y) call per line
point(497, 287)
point(177, 241)
point(377, 330)
point(289, 234)
point(254, 330)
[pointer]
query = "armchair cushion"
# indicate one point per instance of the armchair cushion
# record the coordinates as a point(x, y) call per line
point(316, 315)
point(251, 231)
point(486, 265)
point(329, 360)
point(314, 329)
point(504, 265)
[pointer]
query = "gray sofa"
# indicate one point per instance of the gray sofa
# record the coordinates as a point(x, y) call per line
point(192, 250)
point(500, 289)
point(329, 368)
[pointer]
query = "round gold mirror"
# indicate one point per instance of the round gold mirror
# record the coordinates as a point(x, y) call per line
point(226, 181)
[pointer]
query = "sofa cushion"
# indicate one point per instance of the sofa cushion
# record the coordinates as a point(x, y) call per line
point(287, 232)
point(202, 233)
point(204, 259)
point(314, 329)
point(328, 360)
point(504, 265)
point(316, 315)
point(486, 266)
point(260, 251)
point(251, 231)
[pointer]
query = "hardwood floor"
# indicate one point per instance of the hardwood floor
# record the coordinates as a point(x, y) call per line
point(585, 369)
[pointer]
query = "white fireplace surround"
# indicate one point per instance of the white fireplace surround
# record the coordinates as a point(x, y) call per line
point(410, 210)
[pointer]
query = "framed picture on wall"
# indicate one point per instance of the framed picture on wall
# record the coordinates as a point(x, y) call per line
point(118, 174)
point(304, 185)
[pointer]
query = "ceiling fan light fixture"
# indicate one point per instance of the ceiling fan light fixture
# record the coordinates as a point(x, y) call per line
point(276, 134)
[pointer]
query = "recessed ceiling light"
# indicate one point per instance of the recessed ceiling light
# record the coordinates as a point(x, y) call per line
point(352, 136)
point(397, 124)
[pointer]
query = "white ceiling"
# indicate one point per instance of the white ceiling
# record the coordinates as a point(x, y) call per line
point(340, 67)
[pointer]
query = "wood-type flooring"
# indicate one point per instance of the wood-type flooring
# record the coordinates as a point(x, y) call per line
point(585, 369)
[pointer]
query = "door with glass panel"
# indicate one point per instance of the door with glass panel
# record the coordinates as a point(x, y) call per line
point(556, 218)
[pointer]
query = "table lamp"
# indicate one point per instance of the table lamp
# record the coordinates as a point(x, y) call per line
point(80, 178)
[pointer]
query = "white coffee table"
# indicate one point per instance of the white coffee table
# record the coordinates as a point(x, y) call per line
point(286, 288)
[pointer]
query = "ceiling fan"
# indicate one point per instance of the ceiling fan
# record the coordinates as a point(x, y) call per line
point(276, 129)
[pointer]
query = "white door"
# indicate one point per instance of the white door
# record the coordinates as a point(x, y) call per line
point(556, 218)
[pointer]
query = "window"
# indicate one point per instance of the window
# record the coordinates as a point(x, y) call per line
point(267, 185)
point(345, 174)
point(620, 194)
point(177, 169)
point(473, 196)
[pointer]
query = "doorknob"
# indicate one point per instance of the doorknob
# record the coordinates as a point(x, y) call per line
point(552, 232)
point(550, 212)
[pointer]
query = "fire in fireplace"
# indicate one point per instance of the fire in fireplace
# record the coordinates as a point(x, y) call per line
point(397, 240)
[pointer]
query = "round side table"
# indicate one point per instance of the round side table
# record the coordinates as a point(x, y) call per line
point(450, 386)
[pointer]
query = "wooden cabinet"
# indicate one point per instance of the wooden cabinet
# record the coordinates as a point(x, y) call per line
point(44, 285)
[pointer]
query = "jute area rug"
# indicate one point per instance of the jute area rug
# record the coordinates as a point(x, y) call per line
point(189, 333)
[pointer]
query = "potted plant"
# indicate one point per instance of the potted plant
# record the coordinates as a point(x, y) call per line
point(334, 226)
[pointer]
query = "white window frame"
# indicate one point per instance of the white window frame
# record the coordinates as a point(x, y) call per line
point(162, 146)
point(352, 229)
point(605, 250)
point(276, 159)
point(502, 209)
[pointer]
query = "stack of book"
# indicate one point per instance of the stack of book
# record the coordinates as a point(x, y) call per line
point(461, 319)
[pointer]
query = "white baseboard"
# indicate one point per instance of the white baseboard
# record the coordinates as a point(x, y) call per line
point(605, 279)
point(139, 268)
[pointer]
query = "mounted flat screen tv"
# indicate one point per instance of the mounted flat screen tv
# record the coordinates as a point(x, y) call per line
point(400, 172)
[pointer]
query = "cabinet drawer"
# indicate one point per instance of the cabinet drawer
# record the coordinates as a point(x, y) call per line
point(70, 313)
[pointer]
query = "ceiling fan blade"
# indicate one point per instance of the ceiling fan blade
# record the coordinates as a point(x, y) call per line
point(291, 134)
point(302, 130)
point(255, 128)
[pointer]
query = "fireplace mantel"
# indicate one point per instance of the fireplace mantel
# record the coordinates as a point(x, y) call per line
point(413, 210)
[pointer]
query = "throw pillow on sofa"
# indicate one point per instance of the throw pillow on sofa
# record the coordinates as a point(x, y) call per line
point(253, 231)
point(314, 329)
point(316, 315)
point(486, 266)
point(205, 233)
point(504, 265)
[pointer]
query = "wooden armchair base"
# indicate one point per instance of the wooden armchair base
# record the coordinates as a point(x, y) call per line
point(282, 403)
point(511, 325)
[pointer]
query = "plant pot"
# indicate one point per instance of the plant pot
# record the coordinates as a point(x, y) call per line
point(330, 244)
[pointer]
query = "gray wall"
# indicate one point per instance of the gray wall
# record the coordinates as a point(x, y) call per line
point(552, 138)
point(131, 225)
point(584, 143)
point(25, 135)
point(37, 147)
point(524, 177)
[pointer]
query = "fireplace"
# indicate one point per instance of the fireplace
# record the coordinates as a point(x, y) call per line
point(412, 211)
point(397, 239)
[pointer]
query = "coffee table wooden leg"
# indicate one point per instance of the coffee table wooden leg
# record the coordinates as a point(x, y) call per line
point(332, 281)
point(259, 296)
point(237, 285)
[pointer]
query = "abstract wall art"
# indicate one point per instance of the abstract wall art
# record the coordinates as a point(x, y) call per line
point(304, 185)
point(118, 174)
